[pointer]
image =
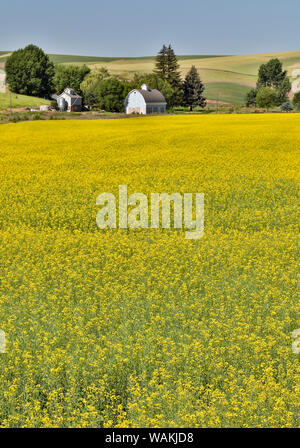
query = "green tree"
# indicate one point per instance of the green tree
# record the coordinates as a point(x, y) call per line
point(30, 72)
point(266, 98)
point(271, 74)
point(111, 94)
point(251, 98)
point(173, 76)
point(193, 89)
point(167, 68)
point(161, 63)
point(283, 89)
point(70, 76)
point(90, 85)
point(296, 101)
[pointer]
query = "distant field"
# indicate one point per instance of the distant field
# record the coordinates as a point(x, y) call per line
point(234, 74)
point(77, 59)
point(226, 92)
point(67, 59)
point(20, 101)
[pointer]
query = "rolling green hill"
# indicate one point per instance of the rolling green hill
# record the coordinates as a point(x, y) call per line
point(230, 77)
point(19, 101)
point(226, 92)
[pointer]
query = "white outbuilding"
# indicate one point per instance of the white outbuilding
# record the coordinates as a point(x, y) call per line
point(145, 101)
point(296, 86)
point(296, 73)
point(73, 101)
point(2, 81)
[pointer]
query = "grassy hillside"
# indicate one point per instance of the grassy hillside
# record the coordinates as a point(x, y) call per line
point(230, 76)
point(20, 101)
point(226, 92)
point(239, 72)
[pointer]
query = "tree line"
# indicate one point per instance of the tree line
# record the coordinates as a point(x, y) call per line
point(30, 72)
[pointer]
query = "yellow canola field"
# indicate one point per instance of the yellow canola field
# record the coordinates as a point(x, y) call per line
point(143, 328)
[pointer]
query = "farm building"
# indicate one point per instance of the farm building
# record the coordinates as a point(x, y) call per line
point(296, 82)
point(296, 86)
point(145, 101)
point(72, 101)
point(2, 81)
point(296, 73)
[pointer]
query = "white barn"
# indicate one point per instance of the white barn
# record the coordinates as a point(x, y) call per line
point(296, 86)
point(145, 101)
point(296, 73)
point(2, 81)
point(74, 101)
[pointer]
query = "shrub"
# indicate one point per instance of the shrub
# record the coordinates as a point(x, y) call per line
point(266, 98)
point(286, 107)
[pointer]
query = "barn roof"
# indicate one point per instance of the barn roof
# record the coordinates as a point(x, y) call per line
point(152, 96)
point(71, 93)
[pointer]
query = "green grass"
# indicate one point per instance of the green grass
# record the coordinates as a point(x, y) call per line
point(226, 92)
point(19, 101)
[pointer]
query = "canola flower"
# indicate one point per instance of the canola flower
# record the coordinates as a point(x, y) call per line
point(142, 328)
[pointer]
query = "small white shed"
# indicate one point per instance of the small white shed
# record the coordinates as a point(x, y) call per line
point(145, 101)
point(296, 73)
point(74, 101)
point(2, 81)
point(296, 86)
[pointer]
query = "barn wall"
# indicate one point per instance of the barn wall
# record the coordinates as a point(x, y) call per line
point(135, 103)
point(2, 81)
point(67, 98)
point(296, 86)
point(156, 109)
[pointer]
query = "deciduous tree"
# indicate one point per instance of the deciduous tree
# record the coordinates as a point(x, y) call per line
point(70, 76)
point(30, 72)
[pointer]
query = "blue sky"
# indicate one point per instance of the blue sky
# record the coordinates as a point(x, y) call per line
point(139, 28)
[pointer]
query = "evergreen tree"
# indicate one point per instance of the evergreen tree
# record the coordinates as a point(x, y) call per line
point(167, 68)
point(161, 63)
point(173, 75)
point(193, 89)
